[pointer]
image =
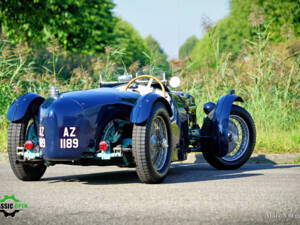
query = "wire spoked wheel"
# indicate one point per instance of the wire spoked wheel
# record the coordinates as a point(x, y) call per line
point(151, 146)
point(238, 135)
point(159, 143)
point(241, 140)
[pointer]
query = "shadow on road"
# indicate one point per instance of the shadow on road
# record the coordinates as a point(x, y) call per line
point(259, 159)
point(114, 177)
point(179, 173)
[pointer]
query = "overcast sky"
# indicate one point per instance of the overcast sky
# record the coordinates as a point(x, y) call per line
point(170, 22)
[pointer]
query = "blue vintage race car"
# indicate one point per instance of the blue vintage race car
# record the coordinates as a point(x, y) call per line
point(140, 123)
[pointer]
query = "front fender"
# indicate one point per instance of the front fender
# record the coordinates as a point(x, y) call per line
point(142, 109)
point(19, 107)
point(220, 123)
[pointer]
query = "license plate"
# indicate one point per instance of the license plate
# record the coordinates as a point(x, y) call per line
point(68, 137)
point(42, 140)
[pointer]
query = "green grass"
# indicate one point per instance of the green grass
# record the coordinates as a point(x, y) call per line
point(297, 161)
point(266, 76)
point(3, 140)
point(22, 71)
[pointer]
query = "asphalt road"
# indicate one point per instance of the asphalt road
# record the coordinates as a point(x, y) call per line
point(191, 194)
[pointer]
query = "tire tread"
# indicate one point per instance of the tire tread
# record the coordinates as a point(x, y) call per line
point(16, 136)
point(140, 143)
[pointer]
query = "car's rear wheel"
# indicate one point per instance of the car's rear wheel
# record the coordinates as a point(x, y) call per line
point(18, 131)
point(242, 137)
point(152, 146)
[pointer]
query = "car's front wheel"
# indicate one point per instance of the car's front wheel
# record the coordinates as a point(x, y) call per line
point(152, 146)
point(241, 135)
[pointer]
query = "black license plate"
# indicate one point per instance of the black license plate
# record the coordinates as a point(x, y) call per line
point(68, 137)
point(42, 140)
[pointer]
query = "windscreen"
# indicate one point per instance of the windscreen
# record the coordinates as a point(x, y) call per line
point(125, 78)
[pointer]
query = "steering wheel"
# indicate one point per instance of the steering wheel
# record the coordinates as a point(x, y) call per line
point(149, 83)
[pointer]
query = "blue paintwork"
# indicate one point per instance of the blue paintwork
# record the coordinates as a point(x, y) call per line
point(208, 107)
point(90, 110)
point(141, 111)
point(220, 123)
point(85, 109)
point(19, 107)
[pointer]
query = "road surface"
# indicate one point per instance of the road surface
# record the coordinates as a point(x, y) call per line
point(191, 194)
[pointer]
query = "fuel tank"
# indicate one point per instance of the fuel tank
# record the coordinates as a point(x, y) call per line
point(70, 123)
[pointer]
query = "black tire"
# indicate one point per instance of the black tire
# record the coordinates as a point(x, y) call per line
point(16, 138)
point(222, 163)
point(142, 150)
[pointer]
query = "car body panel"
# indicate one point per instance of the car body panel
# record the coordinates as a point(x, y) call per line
point(89, 112)
point(220, 123)
point(84, 109)
point(19, 107)
point(141, 111)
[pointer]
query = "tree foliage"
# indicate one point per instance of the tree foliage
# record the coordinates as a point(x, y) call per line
point(78, 25)
point(280, 18)
point(283, 17)
point(186, 49)
point(157, 54)
point(129, 41)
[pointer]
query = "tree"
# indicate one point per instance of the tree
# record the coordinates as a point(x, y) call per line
point(157, 54)
point(247, 18)
point(78, 25)
point(186, 49)
point(282, 16)
point(131, 44)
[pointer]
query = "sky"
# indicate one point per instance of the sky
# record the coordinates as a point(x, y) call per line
point(170, 22)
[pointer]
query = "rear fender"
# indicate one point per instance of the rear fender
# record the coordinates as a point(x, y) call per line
point(220, 123)
point(20, 106)
point(142, 109)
